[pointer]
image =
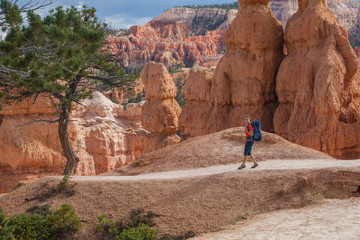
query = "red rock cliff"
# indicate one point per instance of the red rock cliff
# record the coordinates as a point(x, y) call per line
point(187, 36)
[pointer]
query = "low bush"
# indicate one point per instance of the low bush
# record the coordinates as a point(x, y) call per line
point(6, 231)
point(141, 232)
point(41, 223)
point(29, 227)
point(107, 227)
point(137, 226)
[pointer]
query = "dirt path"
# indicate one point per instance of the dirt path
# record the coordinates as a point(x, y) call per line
point(222, 169)
point(332, 219)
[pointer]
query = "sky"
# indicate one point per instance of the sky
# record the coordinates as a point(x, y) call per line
point(125, 13)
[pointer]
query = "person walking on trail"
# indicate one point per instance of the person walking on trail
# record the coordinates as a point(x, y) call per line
point(249, 133)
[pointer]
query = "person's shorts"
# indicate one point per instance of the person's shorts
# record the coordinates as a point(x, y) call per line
point(248, 146)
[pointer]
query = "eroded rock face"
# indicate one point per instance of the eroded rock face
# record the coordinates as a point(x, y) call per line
point(318, 84)
point(244, 80)
point(103, 134)
point(161, 111)
point(179, 35)
point(193, 120)
point(186, 35)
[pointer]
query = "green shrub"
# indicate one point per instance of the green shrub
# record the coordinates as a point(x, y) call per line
point(20, 184)
point(141, 232)
point(43, 224)
point(64, 221)
point(110, 229)
point(107, 226)
point(6, 231)
point(30, 227)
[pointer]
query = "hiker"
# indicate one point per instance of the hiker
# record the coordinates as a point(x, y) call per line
point(249, 133)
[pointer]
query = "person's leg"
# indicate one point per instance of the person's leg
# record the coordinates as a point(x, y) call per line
point(244, 160)
point(253, 158)
point(247, 152)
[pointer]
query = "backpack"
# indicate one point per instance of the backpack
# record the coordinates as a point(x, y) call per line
point(257, 130)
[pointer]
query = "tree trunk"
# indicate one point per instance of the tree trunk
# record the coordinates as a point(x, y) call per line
point(66, 145)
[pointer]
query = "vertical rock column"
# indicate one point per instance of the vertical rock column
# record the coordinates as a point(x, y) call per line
point(160, 112)
point(318, 84)
point(244, 80)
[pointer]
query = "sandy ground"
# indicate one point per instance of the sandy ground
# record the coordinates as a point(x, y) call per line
point(332, 219)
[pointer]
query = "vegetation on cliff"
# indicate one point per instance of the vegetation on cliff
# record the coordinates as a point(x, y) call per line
point(226, 6)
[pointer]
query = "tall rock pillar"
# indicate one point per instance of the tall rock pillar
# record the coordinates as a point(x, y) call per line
point(318, 84)
point(160, 112)
point(244, 80)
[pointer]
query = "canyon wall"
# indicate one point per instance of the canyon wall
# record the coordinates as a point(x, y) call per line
point(103, 134)
point(187, 36)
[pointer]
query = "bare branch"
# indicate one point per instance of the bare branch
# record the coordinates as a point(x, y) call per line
point(38, 121)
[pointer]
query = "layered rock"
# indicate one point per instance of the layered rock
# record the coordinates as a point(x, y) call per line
point(161, 111)
point(318, 84)
point(244, 80)
point(179, 35)
point(193, 120)
point(187, 36)
point(103, 135)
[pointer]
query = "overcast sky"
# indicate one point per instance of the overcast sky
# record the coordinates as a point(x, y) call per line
point(125, 13)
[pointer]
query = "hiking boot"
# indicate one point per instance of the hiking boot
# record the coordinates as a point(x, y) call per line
point(255, 165)
point(241, 166)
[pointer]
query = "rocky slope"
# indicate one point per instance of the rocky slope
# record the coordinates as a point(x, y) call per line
point(188, 36)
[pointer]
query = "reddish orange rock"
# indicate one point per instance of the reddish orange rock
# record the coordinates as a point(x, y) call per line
point(318, 84)
point(244, 80)
point(160, 112)
point(357, 52)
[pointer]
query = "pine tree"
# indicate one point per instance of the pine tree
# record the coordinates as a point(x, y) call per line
point(57, 57)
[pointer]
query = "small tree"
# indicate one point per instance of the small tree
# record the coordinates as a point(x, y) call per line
point(57, 57)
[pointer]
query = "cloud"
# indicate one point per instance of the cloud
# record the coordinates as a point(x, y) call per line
point(123, 20)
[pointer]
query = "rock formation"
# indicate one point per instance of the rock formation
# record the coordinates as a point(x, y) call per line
point(244, 80)
point(161, 111)
point(179, 35)
point(318, 84)
point(187, 36)
point(193, 119)
point(103, 135)
point(357, 52)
